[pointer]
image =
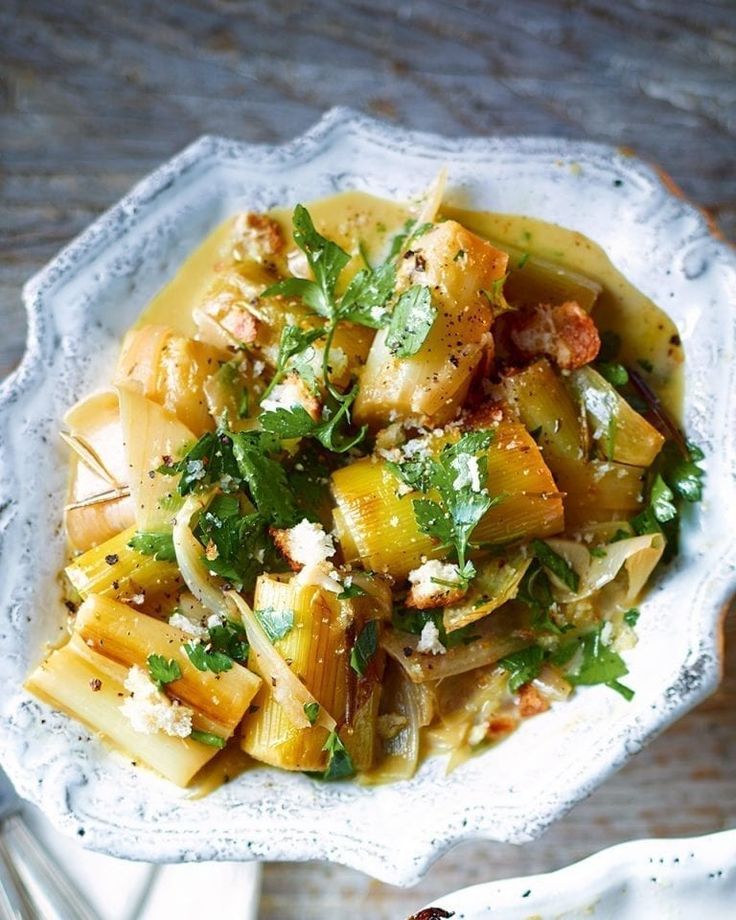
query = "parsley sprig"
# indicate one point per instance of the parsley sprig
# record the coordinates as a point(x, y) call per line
point(227, 643)
point(339, 762)
point(674, 479)
point(592, 661)
point(329, 431)
point(364, 648)
point(162, 670)
point(365, 301)
point(158, 545)
point(453, 514)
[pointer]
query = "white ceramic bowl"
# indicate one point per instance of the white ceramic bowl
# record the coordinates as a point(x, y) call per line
point(641, 880)
point(78, 308)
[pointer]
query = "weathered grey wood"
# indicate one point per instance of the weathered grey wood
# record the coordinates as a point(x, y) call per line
point(95, 94)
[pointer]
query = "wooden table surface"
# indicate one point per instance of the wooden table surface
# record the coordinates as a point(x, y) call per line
point(93, 95)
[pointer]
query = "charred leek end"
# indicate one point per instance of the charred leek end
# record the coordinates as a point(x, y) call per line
point(530, 503)
point(171, 370)
point(430, 385)
point(367, 614)
point(128, 637)
point(620, 433)
point(151, 435)
point(375, 520)
point(359, 735)
point(115, 570)
point(497, 581)
point(90, 687)
point(315, 648)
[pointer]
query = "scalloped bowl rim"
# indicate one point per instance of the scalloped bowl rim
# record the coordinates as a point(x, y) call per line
point(310, 835)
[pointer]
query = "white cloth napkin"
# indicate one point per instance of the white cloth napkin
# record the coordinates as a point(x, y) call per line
point(122, 890)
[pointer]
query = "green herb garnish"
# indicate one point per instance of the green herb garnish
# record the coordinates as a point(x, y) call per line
point(276, 623)
point(559, 567)
point(158, 545)
point(208, 738)
point(597, 663)
point(204, 660)
point(458, 474)
point(411, 320)
point(339, 762)
point(364, 648)
point(163, 671)
point(523, 666)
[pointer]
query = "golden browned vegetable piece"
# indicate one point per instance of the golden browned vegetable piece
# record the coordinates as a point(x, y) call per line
point(460, 269)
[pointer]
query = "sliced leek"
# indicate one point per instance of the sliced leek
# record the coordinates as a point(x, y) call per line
point(171, 370)
point(620, 432)
point(114, 569)
point(128, 637)
point(385, 518)
point(90, 687)
point(430, 385)
point(152, 437)
point(497, 581)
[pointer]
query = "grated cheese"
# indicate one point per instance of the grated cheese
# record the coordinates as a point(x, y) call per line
point(429, 641)
point(150, 711)
point(190, 627)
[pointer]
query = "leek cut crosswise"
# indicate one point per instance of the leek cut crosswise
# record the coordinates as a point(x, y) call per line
point(316, 650)
point(375, 518)
point(66, 680)
point(116, 570)
point(364, 465)
point(431, 385)
point(129, 637)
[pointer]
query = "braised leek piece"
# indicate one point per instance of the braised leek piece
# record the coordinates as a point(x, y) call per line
point(152, 436)
point(114, 569)
point(430, 385)
point(98, 500)
point(620, 433)
point(313, 640)
point(171, 370)
point(375, 520)
point(124, 635)
point(497, 581)
point(91, 688)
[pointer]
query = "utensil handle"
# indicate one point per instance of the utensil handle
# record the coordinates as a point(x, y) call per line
point(53, 895)
point(13, 902)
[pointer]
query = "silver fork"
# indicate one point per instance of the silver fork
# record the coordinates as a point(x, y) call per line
point(32, 885)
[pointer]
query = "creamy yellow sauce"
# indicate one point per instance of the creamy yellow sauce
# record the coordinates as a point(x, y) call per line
point(223, 768)
point(358, 221)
